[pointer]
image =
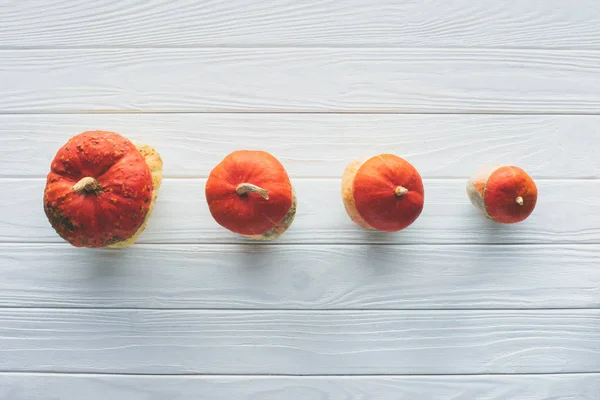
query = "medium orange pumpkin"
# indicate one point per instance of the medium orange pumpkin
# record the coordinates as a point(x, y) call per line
point(503, 193)
point(101, 189)
point(250, 193)
point(383, 193)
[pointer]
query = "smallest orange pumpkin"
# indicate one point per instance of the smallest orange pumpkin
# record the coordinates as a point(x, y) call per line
point(503, 193)
point(250, 193)
point(383, 193)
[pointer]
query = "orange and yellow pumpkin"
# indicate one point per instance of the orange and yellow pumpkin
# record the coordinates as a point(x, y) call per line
point(503, 193)
point(382, 193)
point(249, 193)
point(101, 189)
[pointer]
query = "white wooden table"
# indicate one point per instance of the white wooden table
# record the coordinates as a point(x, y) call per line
point(454, 307)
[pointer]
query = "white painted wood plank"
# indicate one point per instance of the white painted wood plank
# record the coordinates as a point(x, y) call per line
point(320, 145)
point(299, 342)
point(567, 212)
point(308, 80)
point(413, 23)
point(26, 386)
point(302, 277)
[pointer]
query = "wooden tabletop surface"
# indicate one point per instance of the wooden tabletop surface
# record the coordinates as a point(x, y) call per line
point(454, 307)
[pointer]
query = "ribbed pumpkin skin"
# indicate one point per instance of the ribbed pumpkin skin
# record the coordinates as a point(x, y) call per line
point(155, 163)
point(114, 211)
point(250, 214)
point(369, 193)
point(504, 193)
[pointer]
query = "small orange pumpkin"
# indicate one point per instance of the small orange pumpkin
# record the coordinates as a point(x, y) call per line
point(250, 193)
point(503, 193)
point(383, 193)
point(101, 189)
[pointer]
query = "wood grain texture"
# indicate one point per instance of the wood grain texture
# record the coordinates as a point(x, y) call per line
point(455, 307)
point(307, 80)
point(567, 212)
point(412, 23)
point(26, 386)
point(299, 342)
point(320, 145)
point(301, 277)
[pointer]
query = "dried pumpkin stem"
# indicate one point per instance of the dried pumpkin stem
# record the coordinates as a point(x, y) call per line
point(400, 191)
point(519, 200)
point(87, 184)
point(245, 188)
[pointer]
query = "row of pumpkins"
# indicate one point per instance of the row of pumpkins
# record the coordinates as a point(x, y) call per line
point(102, 187)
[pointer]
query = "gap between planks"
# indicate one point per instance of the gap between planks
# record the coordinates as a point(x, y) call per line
point(411, 311)
point(294, 310)
point(266, 376)
point(290, 46)
point(313, 178)
point(237, 242)
point(350, 112)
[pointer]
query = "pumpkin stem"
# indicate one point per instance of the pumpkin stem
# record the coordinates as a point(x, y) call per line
point(87, 184)
point(400, 191)
point(519, 200)
point(245, 188)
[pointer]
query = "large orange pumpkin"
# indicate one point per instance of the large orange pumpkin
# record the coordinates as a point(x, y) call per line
point(250, 193)
point(101, 189)
point(504, 193)
point(383, 193)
